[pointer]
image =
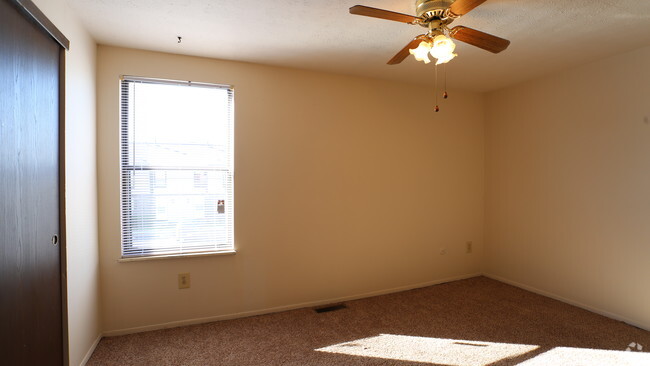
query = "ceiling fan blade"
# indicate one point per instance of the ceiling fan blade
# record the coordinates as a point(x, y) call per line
point(404, 52)
point(383, 14)
point(479, 39)
point(462, 7)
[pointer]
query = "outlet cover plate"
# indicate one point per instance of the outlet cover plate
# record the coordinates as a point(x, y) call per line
point(183, 280)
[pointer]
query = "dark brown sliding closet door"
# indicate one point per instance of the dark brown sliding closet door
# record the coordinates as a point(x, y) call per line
point(30, 262)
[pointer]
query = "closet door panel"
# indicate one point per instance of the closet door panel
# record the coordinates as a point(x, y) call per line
point(30, 279)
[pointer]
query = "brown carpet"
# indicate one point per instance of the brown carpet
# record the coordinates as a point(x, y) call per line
point(474, 322)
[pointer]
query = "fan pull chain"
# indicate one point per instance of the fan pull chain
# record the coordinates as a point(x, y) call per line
point(444, 70)
point(436, 90)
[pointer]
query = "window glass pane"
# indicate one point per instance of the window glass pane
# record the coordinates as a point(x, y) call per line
point(180, 126)
point(169, 212)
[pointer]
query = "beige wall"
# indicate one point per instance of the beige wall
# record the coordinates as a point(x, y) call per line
point(344, 186)
point(568, 185)
point(84, 319)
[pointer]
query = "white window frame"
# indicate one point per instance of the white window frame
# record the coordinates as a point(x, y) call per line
point(129, 254)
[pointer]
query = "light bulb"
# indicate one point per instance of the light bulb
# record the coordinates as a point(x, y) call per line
point(422, 52)
point(443, 49)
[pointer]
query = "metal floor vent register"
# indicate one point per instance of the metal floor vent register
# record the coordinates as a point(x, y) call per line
point(328, 308)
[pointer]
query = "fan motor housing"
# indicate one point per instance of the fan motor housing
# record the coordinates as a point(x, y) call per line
point(429, 9)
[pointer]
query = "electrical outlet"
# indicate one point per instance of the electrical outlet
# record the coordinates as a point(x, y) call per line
point(183, 280)
point(469, 247)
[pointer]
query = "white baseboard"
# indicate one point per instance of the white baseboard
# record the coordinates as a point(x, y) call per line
point(244, 314)
point(91, 350)
point(568, 301)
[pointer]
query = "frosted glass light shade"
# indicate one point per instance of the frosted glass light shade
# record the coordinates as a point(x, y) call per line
point(421, 53)
point(443, 49)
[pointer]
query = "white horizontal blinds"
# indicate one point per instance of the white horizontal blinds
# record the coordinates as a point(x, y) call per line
point(177, 167)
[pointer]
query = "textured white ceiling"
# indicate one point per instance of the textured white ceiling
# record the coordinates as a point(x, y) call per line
point(546, 35)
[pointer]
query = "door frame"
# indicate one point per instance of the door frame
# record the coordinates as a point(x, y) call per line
point(35, 15)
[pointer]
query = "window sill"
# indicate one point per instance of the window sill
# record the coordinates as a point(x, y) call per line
point(176, 256)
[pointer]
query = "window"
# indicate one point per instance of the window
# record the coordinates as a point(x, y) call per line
point(176, 167)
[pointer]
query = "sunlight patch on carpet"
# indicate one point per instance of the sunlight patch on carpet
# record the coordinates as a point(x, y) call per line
point(588, 357)
point(439, 351)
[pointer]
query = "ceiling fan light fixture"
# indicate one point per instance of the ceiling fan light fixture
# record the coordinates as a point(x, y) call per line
point(443, 49)
point(436, 15)
point(421, 53)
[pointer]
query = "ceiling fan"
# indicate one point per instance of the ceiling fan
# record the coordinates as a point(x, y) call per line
point(436, 15)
